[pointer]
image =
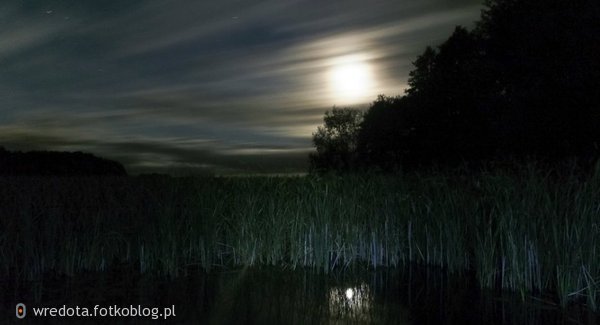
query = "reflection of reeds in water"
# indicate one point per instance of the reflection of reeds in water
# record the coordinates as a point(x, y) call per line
point(525, 232)
point(351, 303)
point(272, 296)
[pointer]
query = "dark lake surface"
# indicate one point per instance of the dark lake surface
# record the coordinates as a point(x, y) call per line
point(274, 296)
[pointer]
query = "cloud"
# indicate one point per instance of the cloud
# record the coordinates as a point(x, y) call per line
point(228, 85)
point(169, 155)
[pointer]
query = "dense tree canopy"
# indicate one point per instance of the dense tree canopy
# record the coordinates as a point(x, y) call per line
point(523, 83)
point(336, 141)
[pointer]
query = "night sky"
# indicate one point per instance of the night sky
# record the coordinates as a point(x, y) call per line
point(192, 86)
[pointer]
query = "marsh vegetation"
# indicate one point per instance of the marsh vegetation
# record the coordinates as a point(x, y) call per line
point(525, 231)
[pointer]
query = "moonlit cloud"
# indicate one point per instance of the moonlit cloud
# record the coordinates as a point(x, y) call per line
point(228, 86)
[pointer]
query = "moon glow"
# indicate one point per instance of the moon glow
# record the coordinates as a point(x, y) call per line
point(350, 80)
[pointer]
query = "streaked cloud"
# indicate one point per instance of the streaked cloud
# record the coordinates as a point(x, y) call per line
point(228, 86)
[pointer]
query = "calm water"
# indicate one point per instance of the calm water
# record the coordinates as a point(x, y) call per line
point(273, 296)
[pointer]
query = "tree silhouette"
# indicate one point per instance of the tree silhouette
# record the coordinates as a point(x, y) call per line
point(384, 133)
point(421, 77)
point(545, 58)
point(524, 83)
point(336, 140)
point(439, 120)
point(54, 163)
point(451, 125)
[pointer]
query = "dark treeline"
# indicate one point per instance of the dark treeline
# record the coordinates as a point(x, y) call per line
point(56, 163)
point(524, 83)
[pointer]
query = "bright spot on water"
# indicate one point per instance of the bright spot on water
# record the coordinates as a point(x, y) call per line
point(349, 293)
point(352, 304)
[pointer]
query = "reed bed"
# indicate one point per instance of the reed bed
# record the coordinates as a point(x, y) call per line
point(524, 231)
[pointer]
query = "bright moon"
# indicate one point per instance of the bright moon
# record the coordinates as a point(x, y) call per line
point(351, 80)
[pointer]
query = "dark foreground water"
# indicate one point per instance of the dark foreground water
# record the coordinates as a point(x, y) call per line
point(275, 296)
